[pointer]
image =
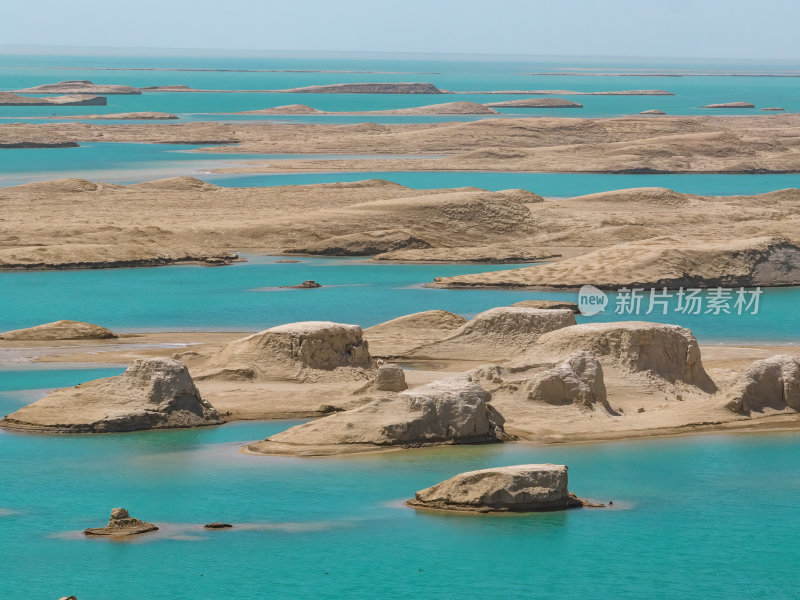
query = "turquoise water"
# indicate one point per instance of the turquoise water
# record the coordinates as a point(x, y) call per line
point(453, 73)
point(704, 516)
point(553, 185)
point(245, 297)
point(133, 163)
point(116, 162)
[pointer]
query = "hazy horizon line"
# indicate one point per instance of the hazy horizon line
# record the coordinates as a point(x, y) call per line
point(266, 51)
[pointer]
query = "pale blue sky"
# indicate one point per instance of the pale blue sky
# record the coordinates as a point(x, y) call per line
point(664, 28)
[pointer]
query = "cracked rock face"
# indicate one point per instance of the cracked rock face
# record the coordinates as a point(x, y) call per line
point(390, 378)
point(577, 380)
point(772, 383)
point(445, 411)
point(151, 394)
point(665, 351)
point(518, 488)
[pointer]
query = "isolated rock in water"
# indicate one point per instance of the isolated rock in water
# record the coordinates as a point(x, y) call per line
point(368, 88)
point(305, 351)
point(535, 103)
point(519, 488)
point(310, 284)
point(60, 330)
point(445, 411)
point(217, 525)
point(548, 305)
point(730, 105)
point(122, 523)
point(81, 86)
point(501, 331)
point(153, 393)
point(577, 380)
point(654, 111)
point(390, 378)
point(666, 351)
point(772, 383)
point(774, 108)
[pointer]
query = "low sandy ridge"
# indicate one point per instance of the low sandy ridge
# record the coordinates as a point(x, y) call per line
point(634, 144)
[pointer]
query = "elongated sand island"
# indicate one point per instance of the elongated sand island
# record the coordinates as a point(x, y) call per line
point(610, 240)
point(764, 143)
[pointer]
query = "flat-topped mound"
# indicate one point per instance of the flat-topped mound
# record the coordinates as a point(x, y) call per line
point(650, 196)
point(490, 253)
point(448, 411)
point(81, 86)
point(60, 330)
point(771, 384)
point(304, 351)
point(181, 183)
point(669, 352)
point(11, 99)
point(535, 103)
point(496, 333)
point(151, 394)
point(518, 488)
point(363, 243)
point(653, 111)
point(403, 334)
point(657, 262)
point(367, 88)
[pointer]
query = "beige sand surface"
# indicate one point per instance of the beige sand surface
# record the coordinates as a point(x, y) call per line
point(78, 224)
point(608, 239)
point(445, 108)
point(633, 144)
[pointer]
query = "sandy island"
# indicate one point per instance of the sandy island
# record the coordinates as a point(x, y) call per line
point(672, 395)
point(764, 143)
point(643, 236)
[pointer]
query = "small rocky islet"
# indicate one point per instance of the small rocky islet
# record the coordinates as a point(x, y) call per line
point(517, 488)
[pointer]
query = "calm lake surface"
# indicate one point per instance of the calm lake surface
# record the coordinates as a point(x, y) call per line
point(704, 516)
point(686, 509)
